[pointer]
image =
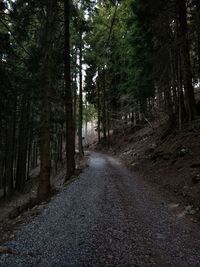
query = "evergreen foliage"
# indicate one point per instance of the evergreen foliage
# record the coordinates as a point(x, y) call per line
point(142, 59)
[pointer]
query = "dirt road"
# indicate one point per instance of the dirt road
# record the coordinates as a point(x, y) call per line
point(107, 217)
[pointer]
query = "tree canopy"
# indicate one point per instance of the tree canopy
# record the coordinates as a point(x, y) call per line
point(131, 60)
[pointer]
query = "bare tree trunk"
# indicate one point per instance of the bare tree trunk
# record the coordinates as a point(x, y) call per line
point(104, 104)
point(23, 146)
point(45, 161)
point(80, 121)
point(185, 50)
point(44, 188)
point(86, 123)
point(182, 110)
point(173, 64)
point(197, 2)
point(70, 137)
point(10, 156)
point(30, 142)
point(98, 108)
point(75, 94)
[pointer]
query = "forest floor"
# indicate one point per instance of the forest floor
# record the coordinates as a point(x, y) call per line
point(22, 207)
point(170, 162)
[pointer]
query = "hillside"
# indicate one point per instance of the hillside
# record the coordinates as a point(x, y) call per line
point(169, 162)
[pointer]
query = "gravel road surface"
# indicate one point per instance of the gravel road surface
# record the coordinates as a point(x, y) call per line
point(106, 218)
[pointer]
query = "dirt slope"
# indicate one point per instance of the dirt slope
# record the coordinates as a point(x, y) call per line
point(170, 162)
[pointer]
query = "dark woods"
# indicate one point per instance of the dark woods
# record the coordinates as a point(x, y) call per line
point(36, 100)
point(141, 60)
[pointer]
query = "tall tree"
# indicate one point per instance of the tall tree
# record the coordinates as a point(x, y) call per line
point(46, 74)
point(185, 52)
point(80, 119)
point(70, 137)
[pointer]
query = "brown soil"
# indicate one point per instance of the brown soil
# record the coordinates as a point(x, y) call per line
point(171, 162)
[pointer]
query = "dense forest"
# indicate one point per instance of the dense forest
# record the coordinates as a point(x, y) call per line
point(65, 63)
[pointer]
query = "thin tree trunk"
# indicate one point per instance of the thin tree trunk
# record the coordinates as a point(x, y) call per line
point(104, 104)
point(185, 50)
point(10, 156)
point(197, 2)
point(30, 141)
point(70, 137)
point(98, 108)
point(75, 95)
point(80, 121)
point(174, 81)
point(182, 109)
point(23, 145)
point(86, 123)
point(45, 162)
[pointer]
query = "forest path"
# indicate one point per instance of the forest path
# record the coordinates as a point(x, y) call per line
point(107, 217)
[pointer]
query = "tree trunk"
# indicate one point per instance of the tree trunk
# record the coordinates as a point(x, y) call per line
point(23, 146)
point(185, 50)
point(75, 94)
point(45, 162)
point(182, 109)
point(70, 137)
point(10, 155)
point(104, 104)
point(98, 108)
point(80, 121)
point(197, 2)
point(44, 188)
point(30, 142)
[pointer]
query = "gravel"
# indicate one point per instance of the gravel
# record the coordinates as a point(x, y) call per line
point(106, 217)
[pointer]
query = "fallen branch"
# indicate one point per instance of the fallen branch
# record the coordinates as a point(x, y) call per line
point(149, 123)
